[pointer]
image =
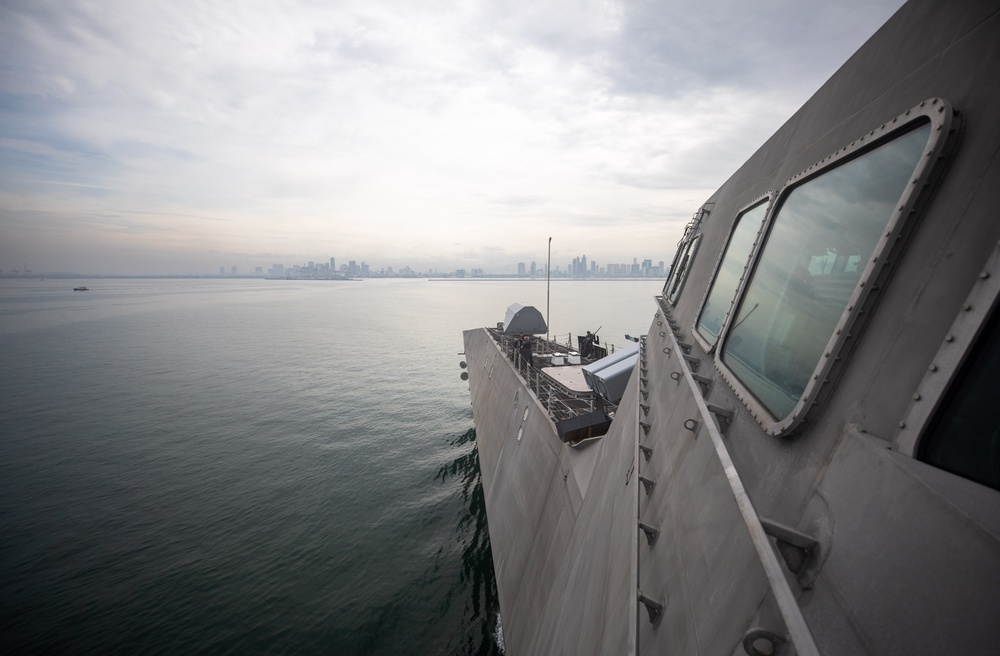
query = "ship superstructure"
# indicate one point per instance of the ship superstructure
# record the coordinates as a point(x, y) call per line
point(806, 458)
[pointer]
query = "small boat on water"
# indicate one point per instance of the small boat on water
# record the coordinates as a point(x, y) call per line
point(81, 289)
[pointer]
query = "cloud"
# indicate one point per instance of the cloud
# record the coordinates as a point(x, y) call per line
point(666, 49)
point(381, 131)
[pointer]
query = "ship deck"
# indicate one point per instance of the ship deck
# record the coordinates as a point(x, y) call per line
point(569, 376)
point(561, 389)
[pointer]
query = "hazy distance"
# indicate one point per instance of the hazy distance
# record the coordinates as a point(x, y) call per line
point(176, 138)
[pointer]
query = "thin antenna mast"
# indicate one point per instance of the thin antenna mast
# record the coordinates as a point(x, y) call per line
point(548, 288)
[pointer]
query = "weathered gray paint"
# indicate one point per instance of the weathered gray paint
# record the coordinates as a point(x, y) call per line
point(909, 559)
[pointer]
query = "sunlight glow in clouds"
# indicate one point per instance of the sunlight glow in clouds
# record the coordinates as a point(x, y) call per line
point(141, 137)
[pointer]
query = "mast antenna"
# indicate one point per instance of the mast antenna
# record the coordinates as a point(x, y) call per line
point(548, 288)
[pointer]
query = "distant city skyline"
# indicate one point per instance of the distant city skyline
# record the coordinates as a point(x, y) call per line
point(579, 267)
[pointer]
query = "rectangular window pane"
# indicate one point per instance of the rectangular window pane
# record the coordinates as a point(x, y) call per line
point(727, 278)
point(965, 436)
point(676, 282)
point(822, 237)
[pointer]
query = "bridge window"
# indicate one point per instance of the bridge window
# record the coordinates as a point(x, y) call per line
point(732, 266)
point(682, 265)
point(820, 243)
point(964, 436)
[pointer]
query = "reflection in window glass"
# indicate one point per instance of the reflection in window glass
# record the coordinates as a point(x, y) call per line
point(824, 233)
point(676, 267)
point(727, 278)
point(683, 263)
point(965, 436)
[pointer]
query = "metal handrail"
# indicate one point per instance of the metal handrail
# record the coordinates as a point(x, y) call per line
point(795, 623)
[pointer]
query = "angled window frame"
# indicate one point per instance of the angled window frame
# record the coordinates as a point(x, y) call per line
point(675, 285)
point(904, 218)
point(949, 366)
point(687, 248)
point(766, 199)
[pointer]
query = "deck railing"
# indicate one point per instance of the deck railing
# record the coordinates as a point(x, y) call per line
point(559, 401)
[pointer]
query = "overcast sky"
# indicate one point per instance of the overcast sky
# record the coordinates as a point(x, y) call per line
point(177, 137)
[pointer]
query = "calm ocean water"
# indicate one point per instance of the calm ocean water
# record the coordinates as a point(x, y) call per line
point(247, 466)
